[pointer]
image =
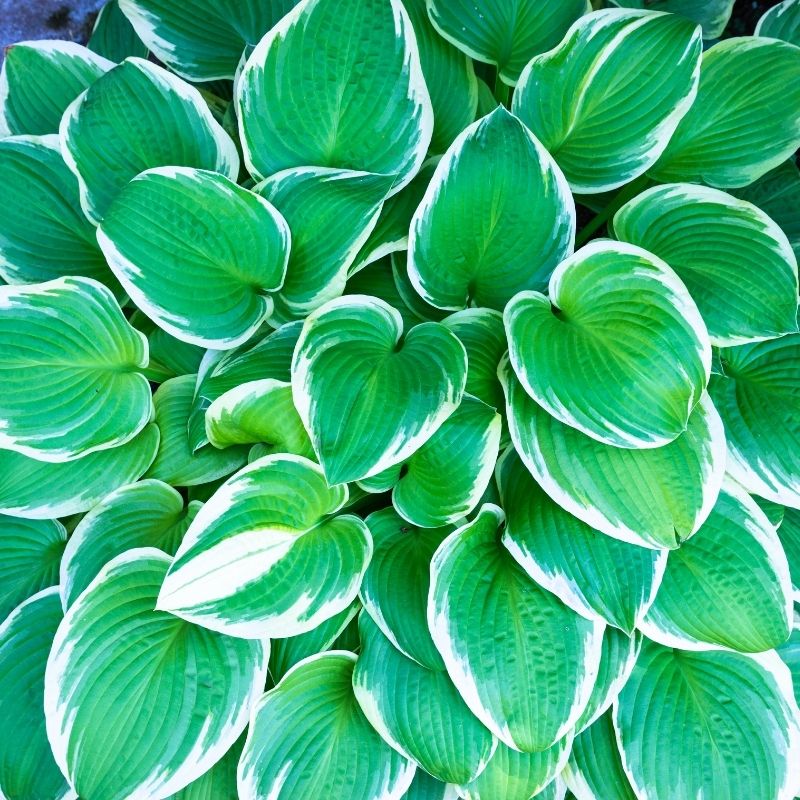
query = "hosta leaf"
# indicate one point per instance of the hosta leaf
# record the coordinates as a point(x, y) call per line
point(418, 711)
point(782, 21)
point(144, 514)
point(330, 750)
point(592, 573)
point(27, 768)
point(351, 91)
point(115, 660)
point(40, 79)
point(471, 240)
point(609, 131)
point(740, 126)
point(30, 554)
point(757, 397)
point(175, 462)
point(618, 350)
point(136, 117)
point(711, 15)
point(728, 585)
point(524, 663)
point(45, 490)
point(70, 381)
point(265, 556)
point(199, 39)
point(736, 262)
point(789, 534)
point(169, 357)
point(219, 783)
point(113, 36)
point(172, 229)
point(734, 713)
point(789, 653)
point(425, 787)
point(395, 586)
point(331, 213)
point(418, 306)
point(505, 34)
point(376, 279)
point(773, 512)
point(369, 395)
point(655, 498)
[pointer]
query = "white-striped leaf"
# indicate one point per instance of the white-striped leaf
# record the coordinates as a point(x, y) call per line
point(113, 36)
point(471, 241)
point(789, 534)
point(782, 21)
point(70, 370)
point(266, 556)
point(115, 661)
point(418, 711)
point(369, 395)
point(608, 131)
point(711, 15)
point(136, 117)
point(740, 125)
point(351, 91)
point(328, 750)
point(737, 264)
point(735, 714)
point(198, 254)
point(524, 663)
point(618, 350)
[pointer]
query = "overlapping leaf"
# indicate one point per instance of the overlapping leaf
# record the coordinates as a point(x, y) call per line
point(782, 21)
point(711, 15)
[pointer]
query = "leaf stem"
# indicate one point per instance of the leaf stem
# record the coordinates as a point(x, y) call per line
point(626, 193)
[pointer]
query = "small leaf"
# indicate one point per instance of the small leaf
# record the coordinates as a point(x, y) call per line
point(790, 655)
point(789, 534)
point(113, 36)
point(782, 21)
point(425, 787)
point(169, 357)
point(712, 15)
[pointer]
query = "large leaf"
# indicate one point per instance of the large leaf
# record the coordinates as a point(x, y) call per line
point(266, 556)
point(113, 36)
point(136, 117)
point(368, 395)
point(115, 660)
point(655, 498)
point(418, 711)
point(27, 768)
point(350, 88)
point(728, 585)
point(735, 714)
point(782, 21)
point(44, 490)
point(40, 79)
point(144, 514)
point(504, 34)
point(711, 15)
point(592, 573)
point(581, 101)
point(736, 262)
point(329, 750)
point(471, 240)
point(70, 370)
point(758, 398)
point(740, 126)
point(197, 253)
point(523, 662)
point(618, 350)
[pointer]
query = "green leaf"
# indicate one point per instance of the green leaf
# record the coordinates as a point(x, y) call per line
point(369, 395)
point(782, 21)
point(169, 357)
point(423, 310)
point(197, 253)
point(425, 787)
point(202, 40)
point(136, 117)
point(790, 655)
point(144, 514)
point(789, 534)
point(376, 279)
point(45, 490)
point(39, 80)
point(758, 399)
point(70, 380)
point(728, 585)
point(594, 574)
point(507, 35)
point(593, 352)
point(352, 94)
point(773, 511)
point(608, 131)
point(330, 750)
point(30, 554)
point(523, 662)
point(734, 713)
point(656, 497)
point(27, 768)
point(736, 262)
point(331, 213)
point(711, 15)
point(219, 783)
point(740, 126)
point(471, 240)
point(266, 556)
point(113, 36)
point(115, 660)
point(418, 711)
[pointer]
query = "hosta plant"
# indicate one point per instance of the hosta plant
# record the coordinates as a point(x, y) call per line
point(400, 400)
